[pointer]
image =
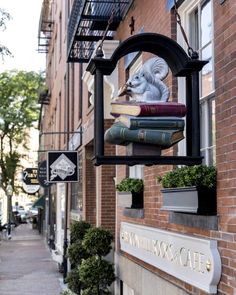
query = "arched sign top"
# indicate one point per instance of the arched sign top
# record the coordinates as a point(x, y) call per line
point(160, 45)
point(181, 66)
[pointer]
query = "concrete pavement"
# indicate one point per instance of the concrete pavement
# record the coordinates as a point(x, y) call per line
point(26, 266)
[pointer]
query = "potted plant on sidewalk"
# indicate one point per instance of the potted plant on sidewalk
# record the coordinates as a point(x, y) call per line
point(76, 253)
point(130, 193)
point(96, 272)
point(190, 189)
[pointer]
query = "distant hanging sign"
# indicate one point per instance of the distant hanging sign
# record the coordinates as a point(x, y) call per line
point(30, 176)
point(62, 166)
point(42, 174)
point(30, 180)
point(30, 189)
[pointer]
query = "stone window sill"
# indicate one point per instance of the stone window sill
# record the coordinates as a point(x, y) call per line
point(192, 220)
point(133, 213)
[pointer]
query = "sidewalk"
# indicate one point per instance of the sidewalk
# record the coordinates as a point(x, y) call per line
point(26, 266)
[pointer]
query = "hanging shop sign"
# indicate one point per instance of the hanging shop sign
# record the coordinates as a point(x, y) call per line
point(30, 189)
point(193, 260)
point(42, 174)
point(62, 166)
point(30, 176)
point(30, 181)
point(181, 65)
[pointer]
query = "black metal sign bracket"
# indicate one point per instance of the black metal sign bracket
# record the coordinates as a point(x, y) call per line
point(181, 65)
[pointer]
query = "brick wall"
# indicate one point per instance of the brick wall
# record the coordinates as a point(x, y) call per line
point(159, 21)
point(225, 75)
point(89, 191)
point(107, 189)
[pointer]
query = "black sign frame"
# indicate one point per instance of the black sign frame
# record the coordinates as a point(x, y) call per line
point(62, 166)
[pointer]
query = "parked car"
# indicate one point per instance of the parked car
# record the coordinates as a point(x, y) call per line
point(28, 206)
point(19, 214)
point(33, 211)
point(23, 216)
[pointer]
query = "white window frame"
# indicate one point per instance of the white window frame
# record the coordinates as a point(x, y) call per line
point(185, 11)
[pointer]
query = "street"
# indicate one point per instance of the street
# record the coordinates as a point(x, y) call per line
point(26, 266)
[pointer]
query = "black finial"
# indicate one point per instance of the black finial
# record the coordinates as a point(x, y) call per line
point(99, 51)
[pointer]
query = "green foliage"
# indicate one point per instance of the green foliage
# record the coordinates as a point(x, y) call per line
point(19, 110)
point(130, 185)
point(19, 100)
point(4, 17)
point(73, 280)
point(97, 241)
point(93, 291)
point(198, 175)
point(67, 292)
point(96, 274)
point(78, 230)
point(91, 273)
point(77, 252)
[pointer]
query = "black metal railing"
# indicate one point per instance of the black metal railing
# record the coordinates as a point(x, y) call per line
point(87, 23)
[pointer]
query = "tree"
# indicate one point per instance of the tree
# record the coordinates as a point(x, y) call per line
point(91, 273)
point(19, 109)
point(4, 17)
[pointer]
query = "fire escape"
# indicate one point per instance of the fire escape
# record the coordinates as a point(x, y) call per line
point(45, 27)
point(87, 23)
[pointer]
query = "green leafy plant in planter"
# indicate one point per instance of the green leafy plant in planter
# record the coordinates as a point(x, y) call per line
point(78, 230)
point(135, 186)
point(190, 189)
point(86, 253)
point(76, 253)
point(97, 241)
point(73, 280)
point(67, 292)
point(96, 273)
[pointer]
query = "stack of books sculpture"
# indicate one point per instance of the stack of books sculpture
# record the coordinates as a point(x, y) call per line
point(147, 123)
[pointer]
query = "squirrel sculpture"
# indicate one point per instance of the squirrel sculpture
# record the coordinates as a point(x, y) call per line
point(146, 85)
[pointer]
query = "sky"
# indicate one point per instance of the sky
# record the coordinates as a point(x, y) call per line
point(21, 36)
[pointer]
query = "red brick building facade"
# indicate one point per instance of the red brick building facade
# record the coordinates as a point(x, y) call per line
point(210, 28)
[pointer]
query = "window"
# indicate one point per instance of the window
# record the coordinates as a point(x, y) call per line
point(76, 190)
point(197, 19)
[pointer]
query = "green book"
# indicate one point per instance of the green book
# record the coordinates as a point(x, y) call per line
point(122, 135)
point(133, 122)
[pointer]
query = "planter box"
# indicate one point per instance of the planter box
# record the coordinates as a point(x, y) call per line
point(189, 199)
point(130, 200)
point(124, 199)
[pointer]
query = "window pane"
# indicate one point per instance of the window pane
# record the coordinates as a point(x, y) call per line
point(203, 124)
point(76, 191)
point(212, 122)
point(194, 31)
point(207, 78)
point(206, 23)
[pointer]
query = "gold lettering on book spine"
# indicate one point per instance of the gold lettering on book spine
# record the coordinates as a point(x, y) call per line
point(152, 110)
